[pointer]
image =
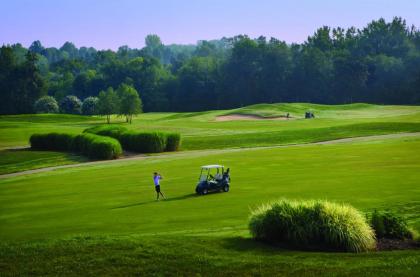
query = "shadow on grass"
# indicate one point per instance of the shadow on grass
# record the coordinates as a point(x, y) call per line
point(242, 244)
point(178, 198)
point(248, 244)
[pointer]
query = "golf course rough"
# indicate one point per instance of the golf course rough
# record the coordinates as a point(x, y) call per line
point(312, 224)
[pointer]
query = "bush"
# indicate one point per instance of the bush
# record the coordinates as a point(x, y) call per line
point(52, 141)
point(173, 141)
point(113, 131)
point(46, 104)
point(143, 142)
point(153, 142)
point(93, 146)
point(312, 224)
point(90, 106)
point(388, 225)
point(71, 105)
point(97, 147)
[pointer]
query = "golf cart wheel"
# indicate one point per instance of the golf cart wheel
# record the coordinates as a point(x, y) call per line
point(226, 188)
point(204, 192)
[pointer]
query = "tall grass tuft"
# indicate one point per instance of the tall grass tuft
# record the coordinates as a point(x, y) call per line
point(143, 142)
point(173, 141)
point(52, 141)
point(113, 131)
point(389, 225)
point(93, 146)
point(137, 141)
point(312, 224)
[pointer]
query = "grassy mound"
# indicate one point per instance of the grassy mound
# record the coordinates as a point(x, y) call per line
point(312, 224)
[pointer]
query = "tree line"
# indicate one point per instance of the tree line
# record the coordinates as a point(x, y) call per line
point(379, 63)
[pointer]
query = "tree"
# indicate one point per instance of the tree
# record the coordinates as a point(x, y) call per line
point(108, 103)
point(90, 106)
point(46, 104)
point(154, 47)
point(71, 105)
point(130, 102)
point(36, 47)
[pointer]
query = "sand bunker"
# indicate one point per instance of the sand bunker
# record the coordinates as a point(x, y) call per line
point(231, 117)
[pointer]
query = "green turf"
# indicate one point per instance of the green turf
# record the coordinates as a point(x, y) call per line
point(202, 131)
point(103, 220)
point(191, 256)
point(26, 159)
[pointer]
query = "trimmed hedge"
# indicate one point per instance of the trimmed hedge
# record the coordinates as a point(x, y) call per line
point(312, 224)
point(93, 146)
point(143, 142)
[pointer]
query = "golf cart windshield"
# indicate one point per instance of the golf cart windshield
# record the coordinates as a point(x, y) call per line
point(211, 172)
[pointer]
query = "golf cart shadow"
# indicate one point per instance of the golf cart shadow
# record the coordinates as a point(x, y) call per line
point(182, 197)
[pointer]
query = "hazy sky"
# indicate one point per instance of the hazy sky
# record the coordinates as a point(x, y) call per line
point(107, 24)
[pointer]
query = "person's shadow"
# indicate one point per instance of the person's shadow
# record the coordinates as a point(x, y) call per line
point(182, 197)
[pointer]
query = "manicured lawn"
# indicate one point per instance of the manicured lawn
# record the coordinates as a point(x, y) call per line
point(103, 219)
point(25, 159)
point(192, 256)
point(119, 198)
point(202, 131)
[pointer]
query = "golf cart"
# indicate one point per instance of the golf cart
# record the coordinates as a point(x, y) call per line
point(213, 178)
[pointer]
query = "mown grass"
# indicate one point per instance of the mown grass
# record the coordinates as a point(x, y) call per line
point(119, 198)
point(202, 127)
point(191, 256)
point(104, 220)
point(26, 159)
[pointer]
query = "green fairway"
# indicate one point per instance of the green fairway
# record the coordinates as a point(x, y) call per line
point(202, 130)
point(104, 217)
point(25, 159)
point(119, 198)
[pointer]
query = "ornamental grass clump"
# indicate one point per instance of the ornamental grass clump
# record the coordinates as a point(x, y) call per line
point(52, 141)
point(390, 226)
point(143, 142)
point(113, 131)
point(173, 141)
point(93, 146)
point(312, 225)
point(139, 141)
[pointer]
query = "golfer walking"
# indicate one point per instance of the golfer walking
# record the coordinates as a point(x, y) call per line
point(156, 178)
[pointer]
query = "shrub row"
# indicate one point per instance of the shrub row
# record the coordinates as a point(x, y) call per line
point(113, 131)
point(143, 142)
point(52, 141)
point(312, 224)
point(93, 146)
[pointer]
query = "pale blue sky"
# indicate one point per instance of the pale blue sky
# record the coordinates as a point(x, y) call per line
point(107, 24)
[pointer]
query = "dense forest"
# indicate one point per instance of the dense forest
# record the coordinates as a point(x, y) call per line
point(379, 63)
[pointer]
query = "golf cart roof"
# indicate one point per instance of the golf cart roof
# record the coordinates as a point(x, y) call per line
point(212, 166)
